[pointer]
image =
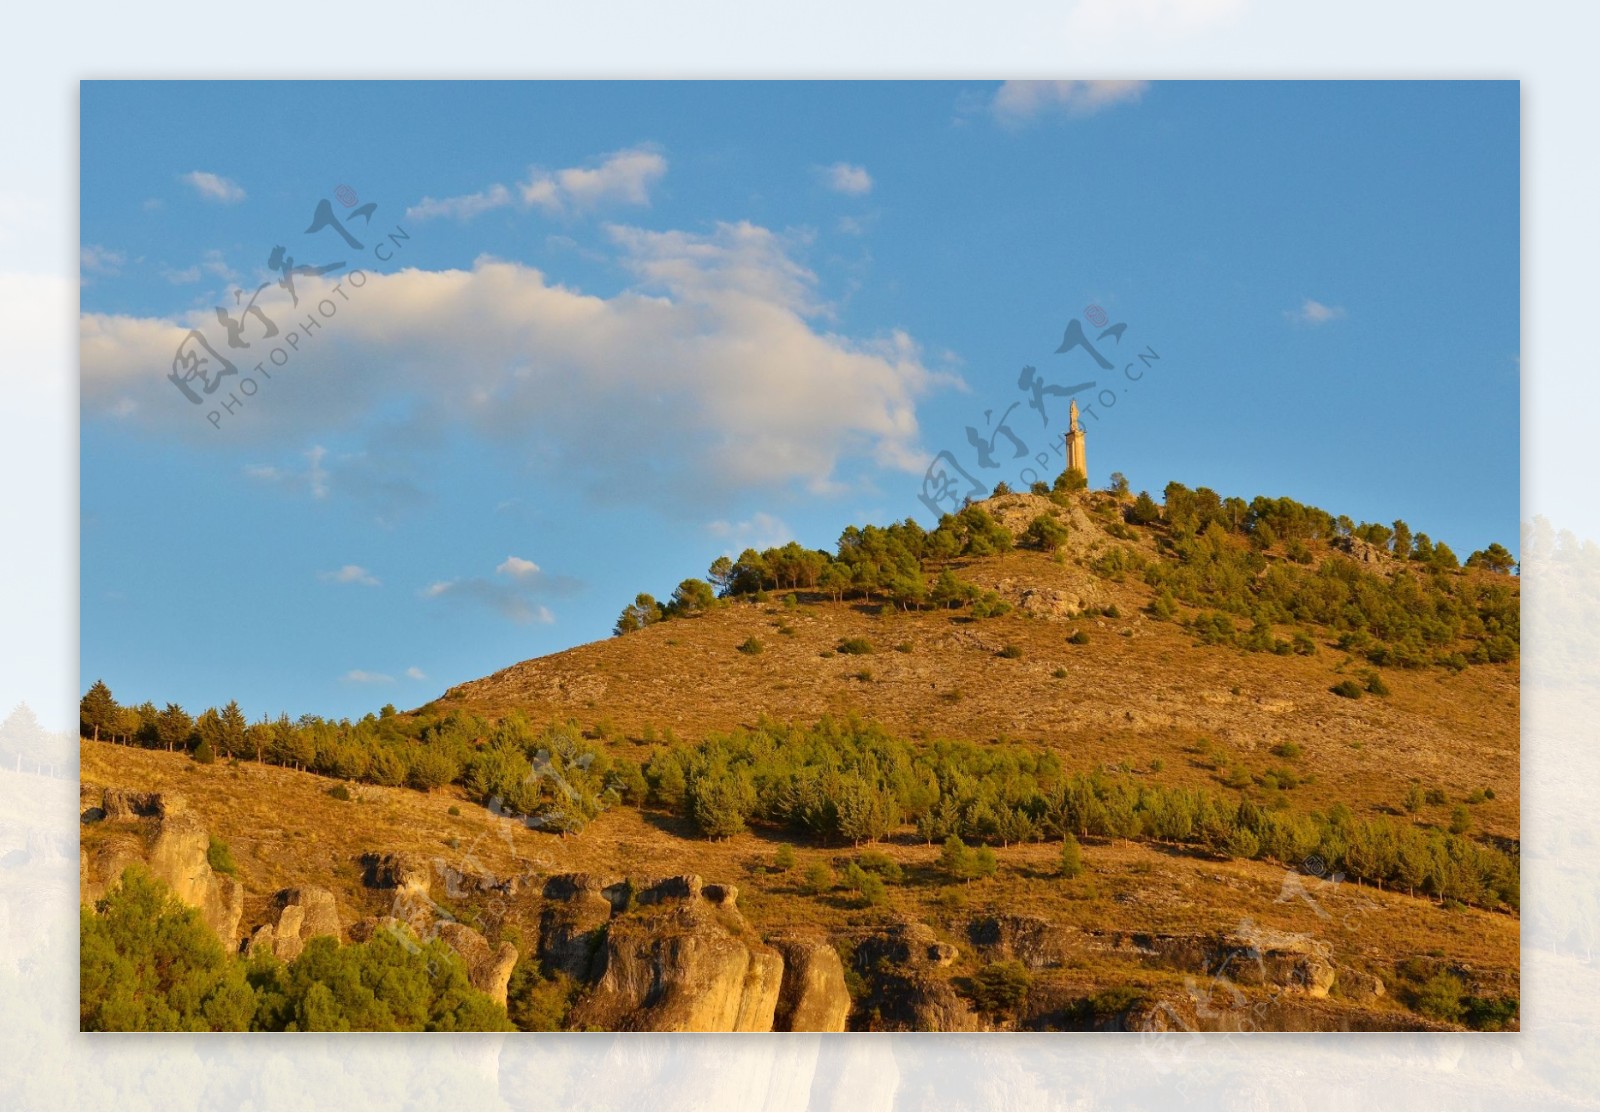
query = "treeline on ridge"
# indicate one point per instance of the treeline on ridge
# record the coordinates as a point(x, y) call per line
point(1226, 559)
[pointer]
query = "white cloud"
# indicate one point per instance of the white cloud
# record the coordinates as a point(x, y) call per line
point(721, 339)
point(362, 676)
point(415, 673)
point(517, 599)
point(621, 178)
point(214, 187)
point(1017, 102)
point(517, 567)
point(350, 574)
point(313, 479)
point(212, 263)
point(1312, 312)
point(760, 531)
point(94, 259)
point(461, 208)
point(845, 178)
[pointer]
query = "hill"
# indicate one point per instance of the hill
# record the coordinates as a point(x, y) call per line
point(1283, 740)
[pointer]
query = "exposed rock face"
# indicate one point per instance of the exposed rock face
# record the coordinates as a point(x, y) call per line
point(812, 996)
point(179, 857)
point(174, 846)
point(489, 971)
point(1251, 956)
point(1358, 986)
point(300, 916)
point(1031, 940)
point(683, 961)
point(909, 992)
point(408, 873)
point(1362, 551)
point(573, 923)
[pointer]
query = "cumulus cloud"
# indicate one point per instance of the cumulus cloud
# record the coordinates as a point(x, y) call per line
point(214, 187)
point(759, 531)
point(415, 673)
point(362, 676)
point(623, 177)
point(350, 574)
point(1312, 312)
point(1017, 102)
point(842, 177)
point(713, 372)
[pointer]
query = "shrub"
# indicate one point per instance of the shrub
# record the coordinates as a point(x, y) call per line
point(454, 810)
point(1414, 798)
point(863, 675)
point(1477, 796)
point(819, 878)
point(203, 753)
point(1079, 637)
point(1349, 689)
point(339, 792)
point(877, 862)
point(1435, 796)
point(1070, 862)
point(784, 859)
point(1440, 998)
point(1001, 986)
point(1011, 652)
point(903, 647)
point(1460, 820)
point(1375, 684)
point(956, 859)
point(855, 646)
point(1490, 1014)
point(750, 647)
point(868, 887)
point(1287, 750)
point(1060, 674)
point(984, 863)
point(220, 857)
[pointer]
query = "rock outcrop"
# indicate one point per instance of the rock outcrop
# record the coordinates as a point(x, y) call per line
point(682, 960)
point(812, 996)
point(1031, 940)
point(573, 922)
point(488, 970)
point(909, 991)
point(298, 916)
point(173, 844)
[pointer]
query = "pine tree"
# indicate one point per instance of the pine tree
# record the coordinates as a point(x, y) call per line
point(1070, 864)
point(98, 711)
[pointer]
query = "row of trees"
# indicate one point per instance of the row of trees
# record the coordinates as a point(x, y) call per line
point(885, 564)
point(850, 781)
point(551, 777)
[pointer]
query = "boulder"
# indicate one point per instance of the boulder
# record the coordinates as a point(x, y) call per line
point(489, 971)
point(813, 996)
point(299, 915)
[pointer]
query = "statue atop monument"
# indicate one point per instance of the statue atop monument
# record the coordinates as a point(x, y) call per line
point(1077, 457)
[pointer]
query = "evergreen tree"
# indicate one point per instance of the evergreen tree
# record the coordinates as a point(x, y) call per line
point(1070, 863)
point(98, 711)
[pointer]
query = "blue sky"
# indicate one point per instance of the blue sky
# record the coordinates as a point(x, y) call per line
point(628, 327)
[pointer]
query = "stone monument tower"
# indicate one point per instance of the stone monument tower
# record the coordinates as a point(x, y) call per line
point(1076, 457)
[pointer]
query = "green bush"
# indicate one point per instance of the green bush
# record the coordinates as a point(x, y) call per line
point(220, 857)
point(855, 646)
point(1000, 986)
point(1011, 652)
point(1440, 997)
point(1069, 863)
point(1349, 689)
point(750, 647)
point(1079, 637)
point(819, 878)
point(784, 859)
point(339, 792)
